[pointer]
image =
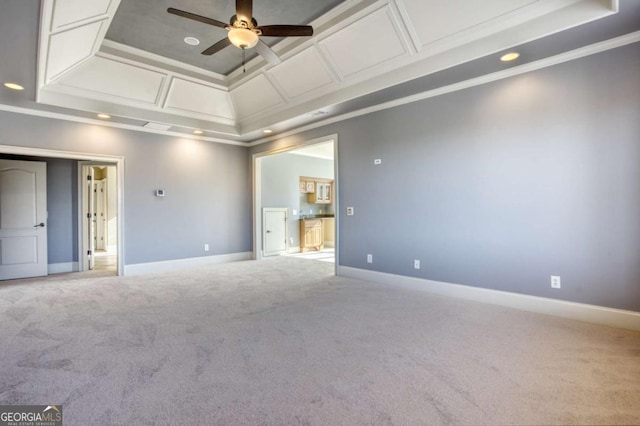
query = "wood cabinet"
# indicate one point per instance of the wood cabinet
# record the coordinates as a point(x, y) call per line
point(318, 190)
point(311, 235)
point(307, 185)
point(323, 193)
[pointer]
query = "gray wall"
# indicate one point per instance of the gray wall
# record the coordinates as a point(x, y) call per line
point(502, 185)
point(62, 207)
point(280, 177)
point(207, 185)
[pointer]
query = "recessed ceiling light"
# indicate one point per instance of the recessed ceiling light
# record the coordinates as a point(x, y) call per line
point(13, 86)
point(511, 56)
point(198, 132)
point(191, 41)
point(267, 131)
point(104, 116)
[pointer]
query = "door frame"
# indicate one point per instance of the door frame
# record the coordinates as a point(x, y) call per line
point(265, 210)
point(257, 192)
point(111, 159)
point(83, 230)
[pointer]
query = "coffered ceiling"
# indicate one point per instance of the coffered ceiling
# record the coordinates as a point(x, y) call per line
point(127, 58)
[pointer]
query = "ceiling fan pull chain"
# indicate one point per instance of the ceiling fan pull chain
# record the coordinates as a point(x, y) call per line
point(243, 68)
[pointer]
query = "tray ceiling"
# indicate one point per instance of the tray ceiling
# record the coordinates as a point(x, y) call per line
point(146, 25)
point(127, 57)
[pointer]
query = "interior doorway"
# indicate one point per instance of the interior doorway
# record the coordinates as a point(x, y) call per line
point(304, 178)
point(98, 201)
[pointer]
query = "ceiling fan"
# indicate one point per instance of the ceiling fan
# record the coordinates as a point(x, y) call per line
point(244, 32)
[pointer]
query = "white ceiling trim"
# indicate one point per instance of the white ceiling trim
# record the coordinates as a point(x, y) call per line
point(302, 74)
point(112, 48)
point(489, 78)
point(122, 76)
point(360, 47)
point(547, 62)
point(75, 39)
point(367, 43)
point(76, 119)
point(411, 67)
point(70, 13)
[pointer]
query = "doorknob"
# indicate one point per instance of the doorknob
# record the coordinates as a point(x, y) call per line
point(40, 225)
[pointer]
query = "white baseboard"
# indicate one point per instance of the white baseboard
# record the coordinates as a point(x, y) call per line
point(618, 318)
point(294, 250)
point(329, 244)
point(178, 264)
point(61, 268)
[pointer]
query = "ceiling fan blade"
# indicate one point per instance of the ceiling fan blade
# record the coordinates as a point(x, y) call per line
point(286, 30)
point(266, 52)
point(244, 10)
point(217, 47)
point(198, 18)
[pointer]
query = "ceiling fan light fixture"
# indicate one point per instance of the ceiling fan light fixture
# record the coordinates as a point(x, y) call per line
point(243, 38)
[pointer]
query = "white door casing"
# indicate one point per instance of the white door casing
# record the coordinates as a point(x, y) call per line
point(23, 219)
point(275, 229)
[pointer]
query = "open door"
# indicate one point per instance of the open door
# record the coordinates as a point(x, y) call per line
point(23, 218)
point(91, 216)
point(98, 200)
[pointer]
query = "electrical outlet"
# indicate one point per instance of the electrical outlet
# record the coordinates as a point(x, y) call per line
point(377, 161)
point(416, 264)
point(555, 281)
point(294, 212)
point(290, 240)
point(206, 247)
point(349, 211)
point(369, 258)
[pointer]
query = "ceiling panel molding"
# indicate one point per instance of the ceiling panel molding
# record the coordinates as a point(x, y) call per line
point(433, 20)
point(373, 40)
point(302, 74)
point(255, 96)
point(70, 48)
point(71, 13)
point(112, 48)
point(364, 46)
point(71, 32)
point(118, 81)
point(189, 97)
point(322, 26)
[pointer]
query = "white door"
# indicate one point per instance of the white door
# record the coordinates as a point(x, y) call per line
point(100, 191)
point(275, 231)
point(23, 218)
point(91, 217)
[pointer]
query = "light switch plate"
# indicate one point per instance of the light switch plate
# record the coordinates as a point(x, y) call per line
point(349, 211)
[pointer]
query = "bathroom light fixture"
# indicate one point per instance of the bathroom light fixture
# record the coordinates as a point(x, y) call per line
point(13, 86)
point(511, 56)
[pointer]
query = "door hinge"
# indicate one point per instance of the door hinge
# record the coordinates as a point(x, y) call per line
point(88, 215)
point(88, 252)
point(89, 178)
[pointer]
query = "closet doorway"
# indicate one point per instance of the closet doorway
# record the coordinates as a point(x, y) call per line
point(99, 204)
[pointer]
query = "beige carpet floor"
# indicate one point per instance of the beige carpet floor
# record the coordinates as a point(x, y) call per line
point(282, 341)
